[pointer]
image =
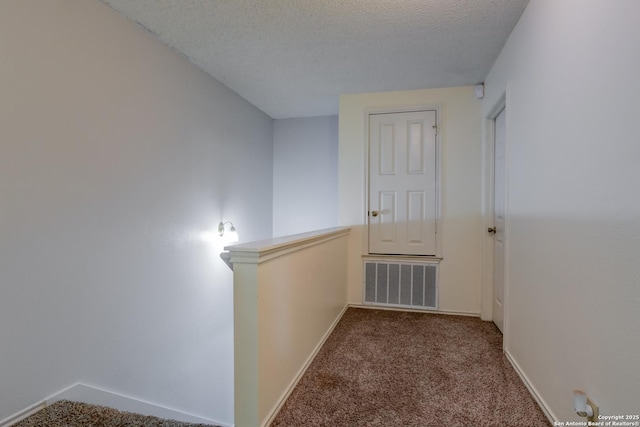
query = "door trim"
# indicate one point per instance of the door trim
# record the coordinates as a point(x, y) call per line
point(486, 309)
point(409, 109)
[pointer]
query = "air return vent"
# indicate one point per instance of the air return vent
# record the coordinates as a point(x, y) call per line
point(400, 284)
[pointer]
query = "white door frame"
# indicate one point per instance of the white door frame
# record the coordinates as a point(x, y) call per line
point(400, 109)
point(486, 311)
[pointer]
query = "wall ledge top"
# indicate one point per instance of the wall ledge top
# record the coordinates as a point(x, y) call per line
point(263, 250)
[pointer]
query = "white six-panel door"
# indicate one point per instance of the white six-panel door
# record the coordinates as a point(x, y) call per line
point(402, 183)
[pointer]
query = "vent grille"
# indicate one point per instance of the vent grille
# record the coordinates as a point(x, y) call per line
point(409, 285)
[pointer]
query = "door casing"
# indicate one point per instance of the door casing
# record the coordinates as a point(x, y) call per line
point(499, 233)
point(486, 309)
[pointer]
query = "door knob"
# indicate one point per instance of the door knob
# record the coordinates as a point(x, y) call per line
point(491, 230)
point(374, 213)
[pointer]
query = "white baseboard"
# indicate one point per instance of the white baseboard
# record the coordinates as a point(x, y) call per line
point(409, 310)
point(302, 370)
point(96, 396)
point(21, 415)
point(543, 405)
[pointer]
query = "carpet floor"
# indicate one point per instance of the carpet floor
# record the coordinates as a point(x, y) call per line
point(390, 368)
point(65, 413)
point(378, 368)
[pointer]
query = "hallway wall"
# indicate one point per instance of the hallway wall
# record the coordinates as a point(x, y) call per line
point(118, 158)
point(570, 70)
point(305, 174)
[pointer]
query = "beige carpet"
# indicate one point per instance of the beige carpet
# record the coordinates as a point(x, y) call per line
point(74, 414)
point(378, 368)
point(387, 368)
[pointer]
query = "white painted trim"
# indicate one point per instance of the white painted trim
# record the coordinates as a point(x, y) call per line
point(534, 393)
point(486, 287)
point(439, 129)
point(507, 217)
point(96, 396)
point(410, 310)
point(265, 250)
point(303, 369)
point(21, 415)
point(416, 259)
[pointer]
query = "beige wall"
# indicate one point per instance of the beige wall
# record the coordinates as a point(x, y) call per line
point(289, 293)
point(460, 130)
point(570, 69)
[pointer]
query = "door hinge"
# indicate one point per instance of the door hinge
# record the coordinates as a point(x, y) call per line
point(436, 128)
point(436, 228)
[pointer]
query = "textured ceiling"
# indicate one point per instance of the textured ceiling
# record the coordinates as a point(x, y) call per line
point(293, 58)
